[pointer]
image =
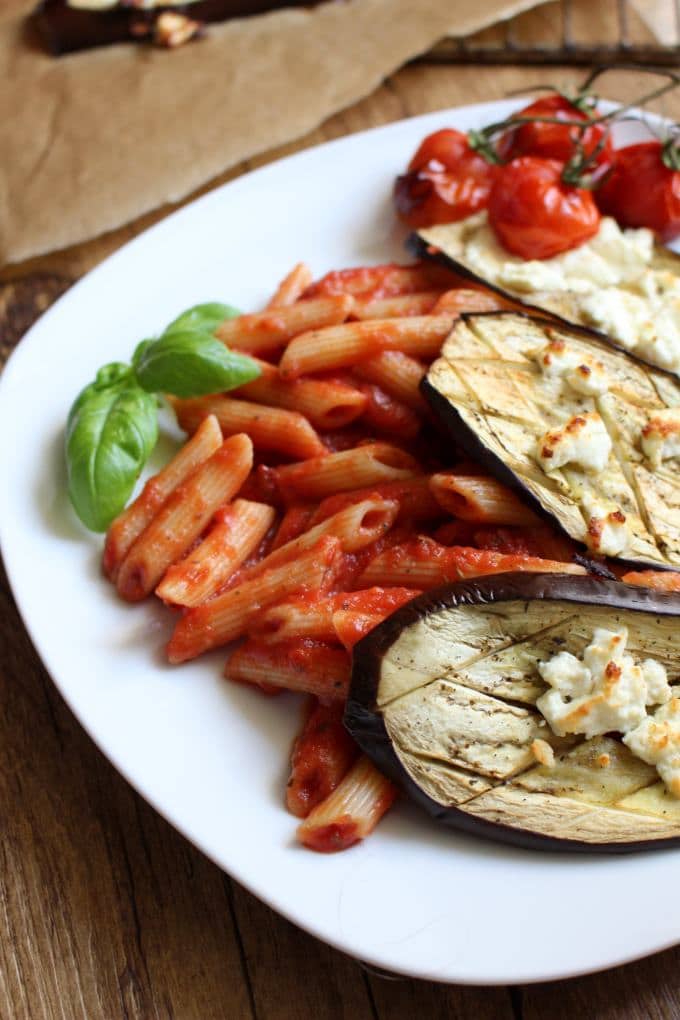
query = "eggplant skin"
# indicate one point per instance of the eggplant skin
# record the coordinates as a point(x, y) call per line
point(365, 721)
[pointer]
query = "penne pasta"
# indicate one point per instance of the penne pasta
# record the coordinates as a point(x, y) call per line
point(237, 532)
point(227, 616)
point(130, 524)
point(294, 522)
point(538, 540)
point(469, 299)
point(418, 303)
point(309, 667)
point(661, 580)
point(370, 464)
point(272, 329)
point(314, 618)
point(322, 755)
point(292, 286)
point(270, 428)
point(319, 350)
point(327, 404)
point(355, 527)
point(480, 498)
point(423, 563)
point(183, 516)
point(351, 812)
point(416, 502)
point(387, 414)
point(397, 374)
point(383, 281)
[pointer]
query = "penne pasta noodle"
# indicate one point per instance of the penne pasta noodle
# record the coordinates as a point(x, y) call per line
point(327, 404)
point(295, 618)
point(302, 617)
point(130, 524)
point(270, 428)
point(350, 812)
point(418, 303)
point(322, 755)
point(383, 281)
point(183, 517)
point(292, 286)
point(537, 540)
point(237, 532)
point(469, 299)
point(423, 563)
point(351, 626)
point(309, 667)
point(272, 329)
point(416, 502)
point(227, 616)
point(319, 350)
point(387, 414)
point(358, 468)
point(661, 580)
point(480, 498)
point(294, 522)
point(397, 374)
point(355, 527)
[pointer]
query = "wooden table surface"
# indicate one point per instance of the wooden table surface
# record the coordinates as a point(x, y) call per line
point(105, 911)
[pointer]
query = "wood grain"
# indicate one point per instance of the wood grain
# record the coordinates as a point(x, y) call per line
point(105, 911)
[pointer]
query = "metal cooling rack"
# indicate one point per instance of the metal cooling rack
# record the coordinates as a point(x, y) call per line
point(567, 38)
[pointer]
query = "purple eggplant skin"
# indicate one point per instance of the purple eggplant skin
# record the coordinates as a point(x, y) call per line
point(364, 721)
point(468, 442)
point(419, 248)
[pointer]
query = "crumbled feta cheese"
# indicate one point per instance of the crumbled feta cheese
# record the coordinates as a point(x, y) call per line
point(583, 442)
point(543, 752)
point(580, 371)
point(604, 692)
point(529, 277)
point(660, 438)
point(607, 530)
point(617, 313)
point(629, 250)
point(657, 741)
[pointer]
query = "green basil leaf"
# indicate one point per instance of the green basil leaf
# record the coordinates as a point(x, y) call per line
point(191, 364)
point(206, 317)
point(111, 430)
point(139, 350)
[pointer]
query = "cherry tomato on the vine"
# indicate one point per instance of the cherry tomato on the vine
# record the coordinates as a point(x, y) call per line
point(642, 191)
point(535, 214)
point(446, 181)
point(554, 141)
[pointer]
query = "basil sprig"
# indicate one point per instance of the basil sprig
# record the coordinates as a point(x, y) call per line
point(112, 426)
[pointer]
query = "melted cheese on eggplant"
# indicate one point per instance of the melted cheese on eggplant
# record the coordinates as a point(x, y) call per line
point(612, 282)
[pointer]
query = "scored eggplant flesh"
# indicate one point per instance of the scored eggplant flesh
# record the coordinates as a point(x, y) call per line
point(443, 700)
point(637, 313)
point(491, 395)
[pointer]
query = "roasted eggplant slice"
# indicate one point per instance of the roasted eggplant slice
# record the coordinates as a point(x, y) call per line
point(588, 435)
point(619, 283)
point(443, 700)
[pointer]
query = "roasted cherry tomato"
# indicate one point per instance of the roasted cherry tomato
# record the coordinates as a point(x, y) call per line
point(446, 181)
point(642, 191)
point(535, 214)
point(554, 141)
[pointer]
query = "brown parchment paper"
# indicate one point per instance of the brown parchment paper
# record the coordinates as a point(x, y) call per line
point(92, 140)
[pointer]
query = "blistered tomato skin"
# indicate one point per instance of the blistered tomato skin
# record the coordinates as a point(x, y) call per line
point(642, 191)
point(555, 141)
point(446, 181)
point(535, 214)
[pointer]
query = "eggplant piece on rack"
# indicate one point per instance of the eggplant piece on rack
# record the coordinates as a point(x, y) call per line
point(69, 25)
point(443, 700)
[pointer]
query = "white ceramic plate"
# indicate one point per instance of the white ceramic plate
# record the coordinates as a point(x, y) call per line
point(211, 756)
